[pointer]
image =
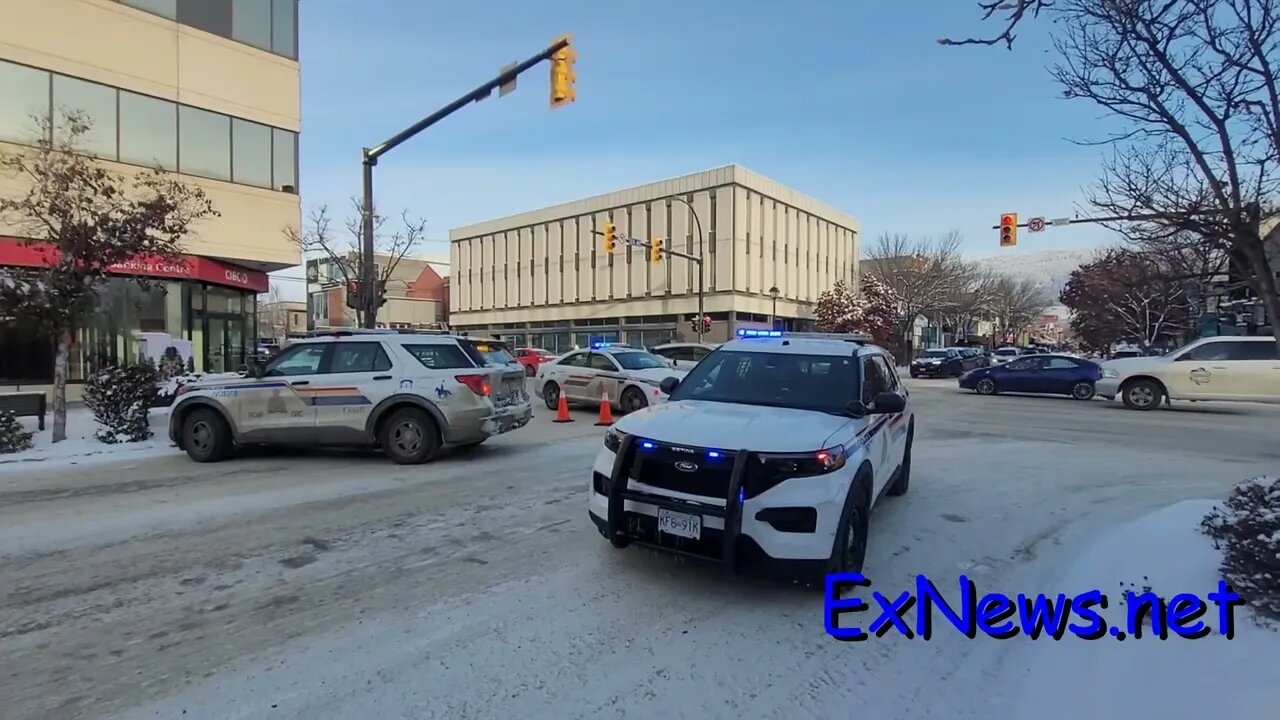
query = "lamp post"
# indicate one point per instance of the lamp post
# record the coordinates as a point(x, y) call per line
point(773, 318)
point(697, 261)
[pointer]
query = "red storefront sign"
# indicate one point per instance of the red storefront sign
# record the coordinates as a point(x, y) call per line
point(185, 267)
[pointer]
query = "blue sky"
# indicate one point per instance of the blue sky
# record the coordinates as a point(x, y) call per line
point(852, 102)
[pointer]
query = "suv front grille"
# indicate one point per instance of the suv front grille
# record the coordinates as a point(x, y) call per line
point(692, 470)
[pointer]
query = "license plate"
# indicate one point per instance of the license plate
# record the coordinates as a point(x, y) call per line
point(679, 524)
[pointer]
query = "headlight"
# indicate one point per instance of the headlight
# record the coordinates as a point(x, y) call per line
point(782, 466)
point(1106, 373)
point(613, 439)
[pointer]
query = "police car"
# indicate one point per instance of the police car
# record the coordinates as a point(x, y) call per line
point(630, 376)
point(770, 453)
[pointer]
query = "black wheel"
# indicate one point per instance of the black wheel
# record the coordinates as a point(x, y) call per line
point(903, 483)
point(529, 371)
point(205, 436)
point(1142, 394)
point(850, 550)
point(409, 437)
point(986, 386)
point(632, 400)
point(1082, 391)
point(551, 396)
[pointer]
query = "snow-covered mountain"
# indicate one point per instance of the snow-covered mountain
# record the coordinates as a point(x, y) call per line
point(1048, 268)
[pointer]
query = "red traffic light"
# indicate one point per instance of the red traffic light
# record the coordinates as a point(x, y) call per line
point(1009, 219)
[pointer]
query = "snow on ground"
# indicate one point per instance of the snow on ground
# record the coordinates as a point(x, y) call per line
point(1150, 677)
point(81, 447)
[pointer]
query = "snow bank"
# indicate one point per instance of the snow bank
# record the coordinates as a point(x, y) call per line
point(1148, 677)
point(81, 448)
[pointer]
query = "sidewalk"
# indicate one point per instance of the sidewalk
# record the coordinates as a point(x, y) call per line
point(81, 447)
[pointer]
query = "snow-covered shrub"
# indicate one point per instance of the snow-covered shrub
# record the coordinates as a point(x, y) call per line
point(1247, 526)
point(13, 437)
point(120, 398)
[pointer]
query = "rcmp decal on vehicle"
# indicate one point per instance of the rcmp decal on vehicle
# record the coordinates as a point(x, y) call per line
point(893, 423)
point(579, 380)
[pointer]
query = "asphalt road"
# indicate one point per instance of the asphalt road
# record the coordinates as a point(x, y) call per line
point(339, 585)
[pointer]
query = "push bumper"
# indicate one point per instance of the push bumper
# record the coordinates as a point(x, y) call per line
point(617, 516)
point(1108, 388)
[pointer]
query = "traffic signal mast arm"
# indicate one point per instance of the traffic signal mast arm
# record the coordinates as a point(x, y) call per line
point(1124, 218)
point(666, 249)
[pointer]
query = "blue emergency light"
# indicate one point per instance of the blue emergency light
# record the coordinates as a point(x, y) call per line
point(752, 332)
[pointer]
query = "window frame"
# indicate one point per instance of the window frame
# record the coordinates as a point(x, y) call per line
point(381, 354)
point(612, 364)
point(435, 347)
point(289, 353)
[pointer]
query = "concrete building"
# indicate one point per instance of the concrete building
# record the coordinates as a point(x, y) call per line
point(542, 278)
point(416, 293)
point(208, 89)
point(280, 320)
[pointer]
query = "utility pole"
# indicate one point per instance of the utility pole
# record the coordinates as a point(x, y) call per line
point(697, 261)
point(561, 92)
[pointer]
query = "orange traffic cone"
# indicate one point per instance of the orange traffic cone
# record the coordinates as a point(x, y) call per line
point(562, 411)
point(606, 410)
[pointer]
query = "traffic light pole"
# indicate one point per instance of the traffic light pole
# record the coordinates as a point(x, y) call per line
point(695, 259)
point(698, 261)
point(370, 156)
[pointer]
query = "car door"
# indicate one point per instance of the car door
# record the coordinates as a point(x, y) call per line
point(876, 436)
point(275, 408)
point(1057, 375)
point(1263, 381)
point(1020, 375)
point(573, 375)
point(605, 377)
point(897, 428)
point(1214, 369)
point(355, 377)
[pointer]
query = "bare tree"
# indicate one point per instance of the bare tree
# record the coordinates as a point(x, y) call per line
point(1014, 13)
point(1016, 305)
point(86, 218)
point(970, 300)
point(923, 274)
point(343, 250)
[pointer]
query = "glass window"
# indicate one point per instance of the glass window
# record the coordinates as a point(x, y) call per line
point(1059, 363)
point(1024, 364)
point(251, 22)
point(205, 139)
point(359, 358)
point(888, 373)
point(873, 381)
point(97, 103)
point(164, 8)
point(439, 357)
point(284, 159)
point(574, 360)
point(250, 153)
point(638, 360)
point(298, 360)
point(148, 131)
point(1258, 350)
point(602, 362)
point(212, 16)
point(26, 96)
point(284, 27)
point(490, 353)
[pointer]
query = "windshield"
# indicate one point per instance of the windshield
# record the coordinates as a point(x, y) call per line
point(638, 360)
point(933, 354)
point(806, 382)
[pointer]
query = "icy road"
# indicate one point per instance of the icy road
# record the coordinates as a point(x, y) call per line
point(342, 586)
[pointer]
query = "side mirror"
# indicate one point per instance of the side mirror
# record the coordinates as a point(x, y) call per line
point(888, 403)
point(668, 385)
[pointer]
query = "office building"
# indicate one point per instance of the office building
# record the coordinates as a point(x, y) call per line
point(207, 89)
point(543, 278)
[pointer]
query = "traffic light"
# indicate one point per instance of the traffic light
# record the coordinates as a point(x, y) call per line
point(562, 75)
point(610, 237)
point(655, 250)
point(1008, 229)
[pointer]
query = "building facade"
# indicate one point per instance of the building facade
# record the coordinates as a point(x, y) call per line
point(416, 292)
point(280, 320)
point(208, 89)
point(543, 278)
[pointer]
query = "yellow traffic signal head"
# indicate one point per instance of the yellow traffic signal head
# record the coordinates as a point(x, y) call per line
point(1008, 229)
point(563, 77)
point(655, 250)
point(610, 237)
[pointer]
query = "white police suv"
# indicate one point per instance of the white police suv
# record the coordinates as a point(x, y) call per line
point(769, 454)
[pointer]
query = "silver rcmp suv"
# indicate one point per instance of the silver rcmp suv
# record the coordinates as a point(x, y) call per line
point(408, 393)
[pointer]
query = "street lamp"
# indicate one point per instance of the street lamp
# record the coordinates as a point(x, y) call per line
point(698, 261)
point(773, 318)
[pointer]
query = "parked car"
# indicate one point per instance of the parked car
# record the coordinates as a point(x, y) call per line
point(1223, 368)
point(1005, 354)
point(531, 358)
point(1037, 374)
point(971, 358)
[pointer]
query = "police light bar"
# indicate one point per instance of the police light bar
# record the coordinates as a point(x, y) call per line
point(752, 332)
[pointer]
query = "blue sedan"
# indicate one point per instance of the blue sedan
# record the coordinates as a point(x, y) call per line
point(1038, 374)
